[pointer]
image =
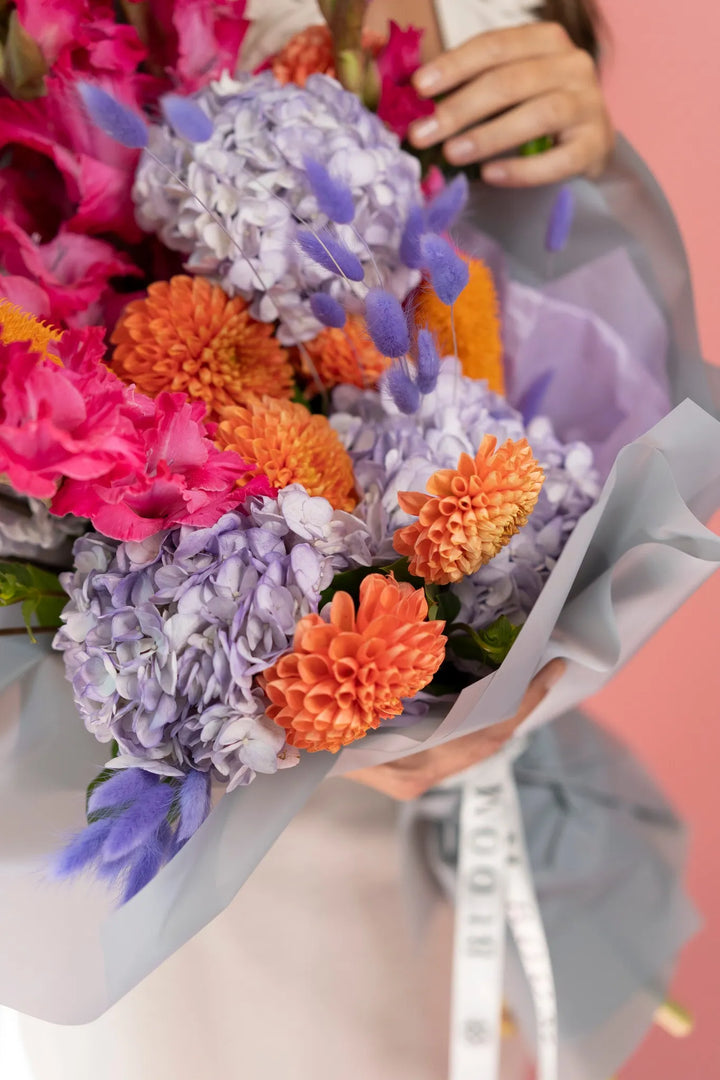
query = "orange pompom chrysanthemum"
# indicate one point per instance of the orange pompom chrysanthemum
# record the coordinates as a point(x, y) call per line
point(19, 325)
point(189, 335)
point(346, 675)
point(343, 356)
point(470, 512)
point(290, 445)
point(477, 325)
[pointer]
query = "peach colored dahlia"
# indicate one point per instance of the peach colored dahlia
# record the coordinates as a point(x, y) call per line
point(189, 335)
point(469, 513)
point(290, 445)
point(345, 676)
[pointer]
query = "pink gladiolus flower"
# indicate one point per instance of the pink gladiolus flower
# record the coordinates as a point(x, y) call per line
point(186, 480)
point(74, 433)
point(399, 103)
point(66, 280)
point(195, 39)
point(62, 420)
point(433, 183)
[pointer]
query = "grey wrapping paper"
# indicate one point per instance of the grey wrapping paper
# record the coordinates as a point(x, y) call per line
point(608, 855)
point(631, 561)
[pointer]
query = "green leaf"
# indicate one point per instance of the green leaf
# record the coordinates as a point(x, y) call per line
point(448, 604)
point(299, 397)
point(537, 146)
point(349, 581)
point(38, 591)
point(489, 646)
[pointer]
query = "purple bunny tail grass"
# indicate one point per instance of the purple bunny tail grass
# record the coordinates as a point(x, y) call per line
point(330, 253)
point(530, 402)
point(334, 198)
point(447, 205)
point(449, 273)
point(82, 850)
point(116, 120)
point(194, 803)
point(328, 310)
point(402, 389)
point(428, 362)
point(386, 323)
point(186, 118)
point(560, 220)
point(150, 858)
point(410, 252)
point(123, 787)
point(135, 825)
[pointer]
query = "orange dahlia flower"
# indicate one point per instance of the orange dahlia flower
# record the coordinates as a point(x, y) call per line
point(18, 325)
point(343, 356)
point(470, 512)
point(189, 335)
point(346, 675)
point(477, 325)
point(290, 445)
point(311, 53)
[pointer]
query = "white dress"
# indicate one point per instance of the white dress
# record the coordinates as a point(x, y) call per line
point(311, 974)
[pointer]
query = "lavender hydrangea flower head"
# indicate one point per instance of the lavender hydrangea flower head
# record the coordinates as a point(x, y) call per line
point(252, 174)
point(393, 453)
point(162, 640)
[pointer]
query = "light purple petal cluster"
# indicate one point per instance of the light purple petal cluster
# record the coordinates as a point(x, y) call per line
point(251, 173)
point(163, 639)
point(393, 453)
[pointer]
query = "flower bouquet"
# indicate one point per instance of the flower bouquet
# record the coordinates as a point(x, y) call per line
point(339, 490)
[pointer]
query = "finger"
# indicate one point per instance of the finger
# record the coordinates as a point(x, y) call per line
point(407, 778)
point(572, 158)
point(489, 95)
point(486, 51)
point(550, 114)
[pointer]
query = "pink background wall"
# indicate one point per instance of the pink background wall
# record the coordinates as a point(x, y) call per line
point(663, 81)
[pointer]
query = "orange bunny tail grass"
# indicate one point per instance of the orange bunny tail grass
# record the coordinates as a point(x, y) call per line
point(290, 445)
point(470, 512)
point(189, 335)
point(477, 325)
point(343, 356)
point(18, 325)
point(345, 676)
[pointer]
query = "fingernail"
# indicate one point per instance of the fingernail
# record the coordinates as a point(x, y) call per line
point(460, 150)
point(424, 130)
point(494, 174)
point(426, 78)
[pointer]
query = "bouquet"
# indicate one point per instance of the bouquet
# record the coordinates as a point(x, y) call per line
point(339, 485)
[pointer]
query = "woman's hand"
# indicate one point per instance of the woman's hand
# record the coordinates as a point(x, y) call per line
point(411, 776)
point(508, 88)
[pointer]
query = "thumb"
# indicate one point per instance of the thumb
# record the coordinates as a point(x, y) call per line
point(540, 687)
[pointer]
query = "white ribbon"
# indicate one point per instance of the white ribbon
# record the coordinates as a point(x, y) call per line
point(495, 890)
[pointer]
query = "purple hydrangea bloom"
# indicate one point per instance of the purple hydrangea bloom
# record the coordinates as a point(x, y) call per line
point(251, 173)
point(163, 639)
point(393, 453)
